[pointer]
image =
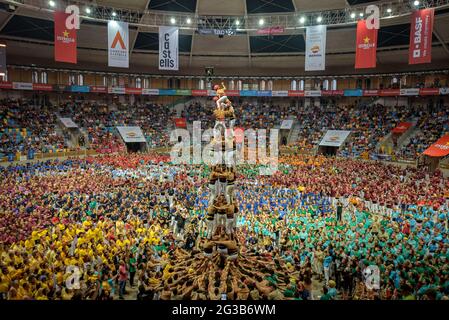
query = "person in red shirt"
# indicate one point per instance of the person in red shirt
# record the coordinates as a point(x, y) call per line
point(122, 278)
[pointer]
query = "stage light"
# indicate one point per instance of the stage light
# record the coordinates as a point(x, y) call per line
point(114, 13)
point(302, 19)
point(261, 22)
point(416, 3)
point(319, 19)
point(88, 11)
point(353, 15)
point(172, 20)
point(389, 10)
point(51, 3)
point(189, 21)
point(361, 14)
point(237, 22)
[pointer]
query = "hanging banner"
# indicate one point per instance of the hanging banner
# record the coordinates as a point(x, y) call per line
point(389, 92)
point(2, 59)
point(444, 91)
point(429, 91)
point(295, 93)
point(168, 48)
point(22, 85)
point(440, 148)
point(199, 93)
point(116, 90)
point(98, 89)
point(334, 138)
point(366, 46)
point(282, 93)
point(409, 92)
point(312, 93)
point(287, 124)
point(402, 127)
point(370, 93)
point(131, 134)
point(271, 30)
point(421, 29)
point(65, 39)
point(133, 91)
point(150, 92)
point(6, 85)
point(68, 123)
point(42, 87)
point(118, 41)
point(353, 93)
point(315, 48)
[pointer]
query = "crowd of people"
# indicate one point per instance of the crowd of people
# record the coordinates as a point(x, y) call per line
point(104, 228)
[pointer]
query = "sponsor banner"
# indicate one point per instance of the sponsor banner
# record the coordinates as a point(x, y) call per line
point(312, 93)
point(271, 30)
point(150, 92)
point(68, 123)
point(180, 122)
point(248, 93)
point(338, 92)
point(353, 93)
point(287, 124)
point(22, 86)
point(79, 89)
point(116, 90)
point(98, 89)
point(131, 134)
point(366, 46)
point(65, 39)
point(402, 127)
point(421, 30)
point(183, 92)
point(295, 93)
point(167, 92)
point(327, 92)
point(133, 91)
point(61, 88)
point(118, 41)
point(233, 93)
point(315, 48)
point(409, 92)
point(334, 138)
point(282, 93)
point(440, 148)
point(168, 48)
point(3, 59)
point(264, 93)
point(429, 91)
point(217, 32)
point(199, 93)
point(42, 87)
point(444, 91)
point(370, 93)
point(6, 85)
point(389, 92)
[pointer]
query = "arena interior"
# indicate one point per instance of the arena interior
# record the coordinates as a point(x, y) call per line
point(133, 164)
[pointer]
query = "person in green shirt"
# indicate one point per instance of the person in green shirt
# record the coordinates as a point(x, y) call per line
point(132, 269)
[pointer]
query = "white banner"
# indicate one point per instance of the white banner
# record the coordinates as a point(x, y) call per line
point(444, 91)
point(286, 124)
point(68, 123)
point(409, 92)
point(117, 90)
point(334, 138)
point(282, 93)
point(312, 93)
point(150, 92)
point(168, 48)
point(22, 86)
point(131, 134)
point(315, 48)
point(118, 42)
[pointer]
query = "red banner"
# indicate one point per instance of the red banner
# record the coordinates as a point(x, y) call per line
point(295, 93)
point(65, 39)
point(440, 148)
point(5, 85)
point(366, 46)
point(402, 127)
point(370, 93)
point(42, 87)
point(133, 90)
point(233, 93)
point(389, 92)
point(199, 93)
point(421, 29)
point(99, 89)
point(271, 30)
point(180, 122)
point(429, 92)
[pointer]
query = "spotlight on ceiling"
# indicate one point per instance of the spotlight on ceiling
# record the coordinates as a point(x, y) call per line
point(261, 22)
point(189, 21)
point(114, 13)
point(416, 3)
point(51, 3)
point(352, 15)
point(172, 20)
point(237, 22)
point(302, 19)
point(319, 19)
point(389, 10)
point(361, 14)
point(88, 10)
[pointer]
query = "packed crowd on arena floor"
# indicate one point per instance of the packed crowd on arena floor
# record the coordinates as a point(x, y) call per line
point(127, 221)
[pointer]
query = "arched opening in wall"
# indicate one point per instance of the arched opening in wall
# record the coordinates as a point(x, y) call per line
point(270, 85)
point(201, 84)
point(114, 81)
point(368, 83)
point(35, 77)
point(325, 85)
point(146, 83)
point(44, 77)
point(139, 82)
point(359, 84)
point(231, 85)
point(72, 79)
point(262, 84)
point(80, 79)
point(334, 84)
point(301, 85)
point(105, 81)
point(293, 85)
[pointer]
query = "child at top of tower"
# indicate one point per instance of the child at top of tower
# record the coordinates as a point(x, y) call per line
point(221, 97)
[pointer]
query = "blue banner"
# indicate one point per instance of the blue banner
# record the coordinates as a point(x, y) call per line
point(264, 93)
point(167, 92)
point(353, 93)
point(248, 93)
point(79, 89)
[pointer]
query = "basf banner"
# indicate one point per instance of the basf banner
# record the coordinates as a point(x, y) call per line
point(131, 134)
point(421, 30)
point(334, 138)
point(118, 42)
point(315, 48)
point(168, 48)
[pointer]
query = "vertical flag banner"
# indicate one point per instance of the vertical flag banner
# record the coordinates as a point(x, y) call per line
point(65, 39)
point(2, 59)
point(168, 48)
point(421, 30)
point(315, 48)
point(366, 46)
point(118, 42)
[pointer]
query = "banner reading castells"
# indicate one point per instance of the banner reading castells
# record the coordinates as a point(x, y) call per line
point(168, 48)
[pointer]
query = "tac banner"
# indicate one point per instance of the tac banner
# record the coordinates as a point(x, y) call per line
point(315, 48)
point(118, 42)
point(366, 46)
point(421, 30)
point(180, 122)
point(65, 39)
point(440, 148)
point(2, 59)
point(168, 48)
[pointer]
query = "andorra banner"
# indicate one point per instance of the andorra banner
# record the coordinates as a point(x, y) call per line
point(65, 39)
point(421, 30)
point(366, 46)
